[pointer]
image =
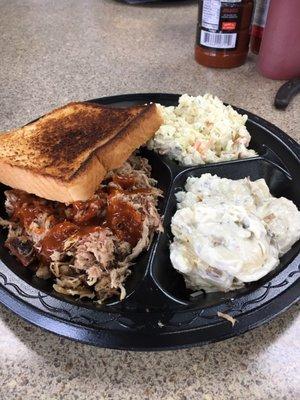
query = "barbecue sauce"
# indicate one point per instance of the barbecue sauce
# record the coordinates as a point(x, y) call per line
point(107, 208)
point(56, 237)
point(223, 32)
point(124, 221)
point(86, 212)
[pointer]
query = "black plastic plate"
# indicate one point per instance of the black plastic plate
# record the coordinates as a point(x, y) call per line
point(158, 313)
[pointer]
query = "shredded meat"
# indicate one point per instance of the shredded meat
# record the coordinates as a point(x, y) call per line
point(228, 317)
point(21, 248)
point(87, 247)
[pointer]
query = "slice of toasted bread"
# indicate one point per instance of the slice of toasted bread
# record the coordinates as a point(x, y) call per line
point(114, 152)
point(64, 155)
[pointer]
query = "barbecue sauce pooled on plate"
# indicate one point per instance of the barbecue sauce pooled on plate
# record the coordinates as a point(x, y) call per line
point(223, 32)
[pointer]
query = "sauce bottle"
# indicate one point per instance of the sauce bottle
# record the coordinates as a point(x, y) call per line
point(258, 25)
point(279, 55)
point(223, 32)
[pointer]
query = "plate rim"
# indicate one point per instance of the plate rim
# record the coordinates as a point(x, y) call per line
point(50, 323)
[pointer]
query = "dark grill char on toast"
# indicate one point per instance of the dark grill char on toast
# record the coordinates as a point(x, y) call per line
point(64, 155)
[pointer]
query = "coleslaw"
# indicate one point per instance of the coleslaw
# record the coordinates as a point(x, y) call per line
point(202, 130)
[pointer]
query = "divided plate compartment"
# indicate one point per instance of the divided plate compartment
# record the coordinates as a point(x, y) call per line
point(158, 311)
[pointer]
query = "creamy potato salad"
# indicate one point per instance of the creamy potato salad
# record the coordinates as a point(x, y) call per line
point(229, 232)
point(202, 130)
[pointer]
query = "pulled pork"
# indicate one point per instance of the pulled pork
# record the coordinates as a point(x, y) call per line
point(87, 247)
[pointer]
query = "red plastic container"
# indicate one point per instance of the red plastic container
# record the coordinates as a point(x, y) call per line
point(279, 56)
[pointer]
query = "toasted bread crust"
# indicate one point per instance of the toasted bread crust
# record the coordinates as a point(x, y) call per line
point(81, 188)
point(65, 155)
point(113, 154)
point(59, 143)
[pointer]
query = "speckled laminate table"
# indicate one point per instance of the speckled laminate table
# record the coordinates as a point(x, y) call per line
point(53, 52)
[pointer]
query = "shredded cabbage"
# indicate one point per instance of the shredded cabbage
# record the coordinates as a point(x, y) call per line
point(202, 130)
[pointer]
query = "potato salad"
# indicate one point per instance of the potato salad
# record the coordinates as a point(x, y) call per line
point(228, 232)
